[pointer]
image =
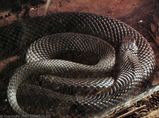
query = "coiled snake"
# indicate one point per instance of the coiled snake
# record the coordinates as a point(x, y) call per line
point(116, 44)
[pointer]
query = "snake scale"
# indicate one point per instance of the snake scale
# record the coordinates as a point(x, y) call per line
point(42, 39)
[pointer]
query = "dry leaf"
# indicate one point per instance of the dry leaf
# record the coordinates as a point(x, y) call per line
point(5, 62)
point(157, 40)
point(153, 27)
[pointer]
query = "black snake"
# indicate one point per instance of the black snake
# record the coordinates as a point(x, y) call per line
point(43, 38)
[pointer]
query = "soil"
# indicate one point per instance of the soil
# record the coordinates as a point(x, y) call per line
point(137, 13)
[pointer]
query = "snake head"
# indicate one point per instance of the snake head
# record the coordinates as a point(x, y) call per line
point(129, 44)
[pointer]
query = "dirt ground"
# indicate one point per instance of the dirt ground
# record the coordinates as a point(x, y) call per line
point(140, 14)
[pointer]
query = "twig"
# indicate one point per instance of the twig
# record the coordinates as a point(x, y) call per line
point(47, 6)
point(131, 112)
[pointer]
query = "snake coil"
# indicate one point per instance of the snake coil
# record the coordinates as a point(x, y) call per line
point(45, 37)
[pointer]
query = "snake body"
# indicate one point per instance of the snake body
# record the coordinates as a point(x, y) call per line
point(43, 38)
